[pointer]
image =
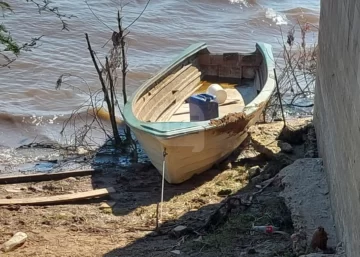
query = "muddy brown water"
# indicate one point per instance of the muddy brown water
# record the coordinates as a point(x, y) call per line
point(30, 107)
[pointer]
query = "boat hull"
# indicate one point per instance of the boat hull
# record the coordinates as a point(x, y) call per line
point(192, 153)
point(189, 148)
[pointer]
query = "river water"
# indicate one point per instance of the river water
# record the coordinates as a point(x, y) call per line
point(32, 109)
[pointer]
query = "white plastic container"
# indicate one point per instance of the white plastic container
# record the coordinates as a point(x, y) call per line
point(218, 91)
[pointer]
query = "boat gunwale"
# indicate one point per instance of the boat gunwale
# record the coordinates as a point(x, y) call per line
point(170, 129)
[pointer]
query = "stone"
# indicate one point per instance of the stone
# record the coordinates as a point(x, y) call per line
point(253, 171)
point(106, 205)
point(285, 147)
point(225, 165)
point(177, 252)
point(18, 239)
point(179, 231)
point(265, 137)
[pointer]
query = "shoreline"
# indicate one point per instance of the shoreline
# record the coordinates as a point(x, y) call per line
point(199, 213)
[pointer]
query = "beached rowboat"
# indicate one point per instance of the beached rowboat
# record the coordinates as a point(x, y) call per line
point(159, 114)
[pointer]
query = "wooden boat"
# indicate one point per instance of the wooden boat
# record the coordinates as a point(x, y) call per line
point(158, 113)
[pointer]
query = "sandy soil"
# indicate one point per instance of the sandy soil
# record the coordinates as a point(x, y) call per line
point(216, 226)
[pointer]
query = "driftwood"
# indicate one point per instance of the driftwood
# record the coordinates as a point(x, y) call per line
point(58, 199)
point(44, 176)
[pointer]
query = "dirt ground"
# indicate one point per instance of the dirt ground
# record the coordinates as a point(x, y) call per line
point(217, 207)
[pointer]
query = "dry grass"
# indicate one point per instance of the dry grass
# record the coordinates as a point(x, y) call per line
point(59, 225)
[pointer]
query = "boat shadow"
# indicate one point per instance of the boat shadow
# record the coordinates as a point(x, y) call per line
point(204, 221)
point(140, 185)
point(161, 241)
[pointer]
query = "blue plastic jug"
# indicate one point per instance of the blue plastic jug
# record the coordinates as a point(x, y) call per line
point(203, 107)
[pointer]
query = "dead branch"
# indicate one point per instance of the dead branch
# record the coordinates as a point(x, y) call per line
point(297, 74)
point(117, 138)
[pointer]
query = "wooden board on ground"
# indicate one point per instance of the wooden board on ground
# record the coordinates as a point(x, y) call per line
point(44, 176)
point(58, 199)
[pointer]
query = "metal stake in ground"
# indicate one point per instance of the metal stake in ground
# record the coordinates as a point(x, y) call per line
point(279, 96)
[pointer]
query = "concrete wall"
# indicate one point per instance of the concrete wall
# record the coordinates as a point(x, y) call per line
point(337, 113)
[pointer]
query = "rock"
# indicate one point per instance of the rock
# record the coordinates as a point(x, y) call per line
point(253, 171)
point(225, 165)
point(285, 147)
point(177, 252)
point(18, 239)
point(265, 137)
point(229, 166)
point(106, 205)
point(179, 231)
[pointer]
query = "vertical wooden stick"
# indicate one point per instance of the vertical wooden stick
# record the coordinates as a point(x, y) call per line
point(279, 96)
point(157, 216)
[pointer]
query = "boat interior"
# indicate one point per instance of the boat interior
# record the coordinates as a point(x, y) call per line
point(241, 76)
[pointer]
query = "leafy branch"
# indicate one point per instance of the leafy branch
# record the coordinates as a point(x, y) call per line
point(45, 5)
point(10, 45)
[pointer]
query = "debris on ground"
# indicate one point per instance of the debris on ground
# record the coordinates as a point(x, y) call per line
point(285, 147)
point(179, 231)
point(211, 215)
point(306, 194)
point(272, 138)
point(17, 240)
